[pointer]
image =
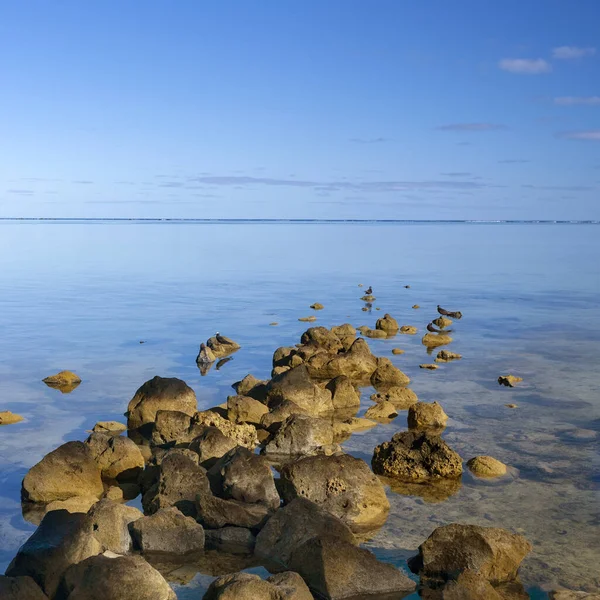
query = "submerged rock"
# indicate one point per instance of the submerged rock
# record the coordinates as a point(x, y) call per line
point(486, 466)
point(467, 586)
point(160, 393)
point(490, 552)
point(247, 586)
point(310, 319)
point(415, 456)
point(221, 345)
point(509, 380)
point(423, 415)
point(373, 333)
point(9, 418)
point(342, 484)
point(368, 298)
point(68, 471)
point(444, 356)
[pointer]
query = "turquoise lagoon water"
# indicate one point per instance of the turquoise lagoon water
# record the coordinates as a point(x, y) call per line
point(82, 295)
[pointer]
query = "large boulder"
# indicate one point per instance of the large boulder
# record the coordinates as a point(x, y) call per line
point(244, 409)
point(341, 484)
point(275, 417)
point(210, 445)
point(179, 480)
point(167, 530)
point(343, 393)
point(118, 457)
point(416, 456)
point(20, 588)
point(296, 386)
point(346, 333)
point(244, 476)
point(357, 363)
point(160, 393)
point(301, 435)
point(106, 578)
point(251, 386)
point(172, 427)
point(388, 324)
point(222, 346)
point(243, 434)
point(492, 553)
point(424, 415)
point(336, 569)
point(387, 375)
point(322, 338)
point(292, 526)
point(247, 586)
point(68, 471)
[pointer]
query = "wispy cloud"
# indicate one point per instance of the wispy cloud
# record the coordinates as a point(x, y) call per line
point(559, 188)
point(379, 140)
point(589, 135)
point(525, 66)
point(513, 161)
point(571, 52)
point(457, 174)
point(82, 181)
point(20, 191)
point(577, 100)
point(471, 127)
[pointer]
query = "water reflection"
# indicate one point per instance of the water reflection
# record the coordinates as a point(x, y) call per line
point(433, 491)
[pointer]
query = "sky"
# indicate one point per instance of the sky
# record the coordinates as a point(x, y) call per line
point(382, 109)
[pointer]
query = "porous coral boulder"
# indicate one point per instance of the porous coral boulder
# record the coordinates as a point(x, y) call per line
point(387, 375)
point(222, 346)
point(118, 457)
point(424, 415)
point(244, 434)
point(244, 409)
point(167, 530)
point(247, 586)
point(416, 456)
point(68, 471)
point(160, 393)
point(388, 324)
point(300, 435)
point(491, 552)
point(244, 476)
point(341, 484)
point(486, 466)
point(106, 576)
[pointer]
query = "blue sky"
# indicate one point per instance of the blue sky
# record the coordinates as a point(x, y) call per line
point(305, 108)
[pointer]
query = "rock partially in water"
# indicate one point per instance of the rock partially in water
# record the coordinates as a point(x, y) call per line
point(9, 418)
point(430, 367)
point(494, 554)
point(368, 298)
point(467, 586)
point(382, 411)
point(222, 346)
point(386, 375)
point(160, 393)
point(343, 393)
point(397, 351)
point(373, 333)
point(343, 429)
point(317, 306)
point(230, 540)
point(65, 381)
point(444, 356)
point(408, 330)
point(570, 595)
point(251, 386)
point(301, 435)
point(432, 491)
point(401, 397)
point(205, 355)
point(107, 576)
point(68, 471)
point(310, 319)
point(342, 484)
point(357, 363)
point(113, 427)
point(167, 530)
point(510, 405)
point(336, 570)
point(509, 380)
point(424, 415)
point(247, 586)
point(433, 340)
point(20, 588)
point(388, 324)
point(118, 457)
point(486, 466)
point(416, 306)
point(244, 409)
point(442, 322)
point(416, 456)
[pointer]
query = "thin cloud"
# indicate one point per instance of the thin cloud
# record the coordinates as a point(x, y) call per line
point(589, 135)
point(82, 181)
point(577, 100)
point(19, 191)
point(457, 174)
point(571, 52)
point(471, 127)
point(525, 66)
point(513, 161)
point(559, 188)
point(379, 140)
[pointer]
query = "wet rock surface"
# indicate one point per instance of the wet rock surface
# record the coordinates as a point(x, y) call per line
point(486, 466)
point(9, 418)
point(423, 415)
point(247, 586)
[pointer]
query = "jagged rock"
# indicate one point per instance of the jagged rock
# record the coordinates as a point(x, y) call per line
point(210, 445)
point(9, 418)
point(444, 356)
point(296, 386)
point(387, 375)
point(167, 530)
point(222, 346)
point(244, 409)
point(160, 393)
point(300, 435)
point(282, 357)
point(381, 410)
point(357, 363)
point(400, 397)
point(244, 476)
point(172, 426)
point(292, 526)
point(106, 577)
point(346, 334)
point(442, 322)
point(243, 434)
point(109, 427)
point(336, 569)
point(205, 355)
point(509, 380)
point(432, 340)
point(68, 471)
point(251, 386)
point(321, 337)
point(341, 484)
point(232, 540)
point(247, 586)
point(408, 330)
point(343, 393)
point(423, 415)
point(486, 466)
point(122, 492)
point(388, 324)
point(492, 553)
point(20, 588)
point(414, 456)
point(179, 481)
point(273, 419)
point(118, 457)
point(278, 371)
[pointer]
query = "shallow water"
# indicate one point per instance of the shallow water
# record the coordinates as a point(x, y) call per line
point(81, 296)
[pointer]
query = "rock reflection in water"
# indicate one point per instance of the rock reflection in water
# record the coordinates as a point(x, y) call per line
point(433, 491)
point(64, 388)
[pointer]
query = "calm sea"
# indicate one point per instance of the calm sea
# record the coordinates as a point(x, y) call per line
point(81, 296)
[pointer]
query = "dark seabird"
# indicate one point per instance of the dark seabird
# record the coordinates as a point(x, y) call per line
point(431, 328)
point(369, 291)
point(442, 311)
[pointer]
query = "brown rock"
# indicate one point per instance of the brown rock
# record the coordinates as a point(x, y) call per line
point(118, 457)
point(243, 434)
point(387, 375)
point(20, 588)
point(570, 595)
point(486, 466)
point(416, 306)
point(222, 346)
point(397, 351)
point(210, 445)
point(388, 324)
point(247, 586)
point(343, 393)
point(509, 380)
point(317, 306)
point(109, 427)
point(357, 363)
point(400, 397)
point(301, 435)
point(431, 367)
point(382, 411)
point(423, 415)
point(76, 504)
point(243, 409)
point(273, 419)
point(510, 405)
point(310, 319)
point(444, 356)
point(9, 418)
point(408, 329)
point(442, 322)
point(62, 379)
point(432, 340)
point(251, 386)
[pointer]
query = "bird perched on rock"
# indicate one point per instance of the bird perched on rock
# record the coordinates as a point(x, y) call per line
point(431, 328)
point(221, 339)
point(369, 291)
point(447, 313)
